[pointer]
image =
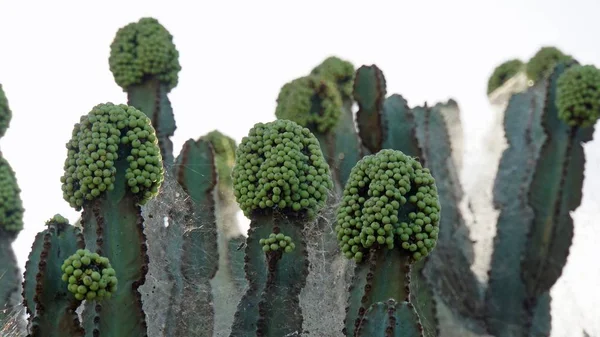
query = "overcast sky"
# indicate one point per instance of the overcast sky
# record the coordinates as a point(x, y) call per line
point(236, 56)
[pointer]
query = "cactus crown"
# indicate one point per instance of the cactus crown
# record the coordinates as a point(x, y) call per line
point(311, 101)
point(389, 199)
point(578, 95)
point(141, 50)
point(503, 73)
point(279, 165)
point(339, 72)
point(5, 113)
point(224, 148)
point(543, 61)
point(11, 206)
point(108, 132)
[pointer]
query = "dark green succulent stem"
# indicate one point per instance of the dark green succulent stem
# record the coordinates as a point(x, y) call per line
point(391, 319)
point(535, 228)
point(191, 311)
point(151, 97)
point(271, 305)
point(384, 274)
point(51, 306)
point(10, 278)
point(369, 92)
point(113, 227)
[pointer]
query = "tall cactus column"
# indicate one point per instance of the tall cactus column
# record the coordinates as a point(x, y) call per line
point(145, 63)
point(113, 166)
point(388, 218)
point(281, 181)
point(11, 223)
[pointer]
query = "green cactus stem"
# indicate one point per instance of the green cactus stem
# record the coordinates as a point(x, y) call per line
point(229, 283)
point(49, 300)
point(113, 167)
point(390, 319)
point(503, 73)
point(193, 248)
point(544, 60)
point(388, 218)
point(145, 63)
point(535, 228)
point(281, 182)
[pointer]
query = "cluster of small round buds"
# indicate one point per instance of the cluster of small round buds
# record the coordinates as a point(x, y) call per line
point(296, 102)
point(5, 113)
point(144, 49)
point(11, 205)
point(339, 72)
point(107, 132)
point(89, 276)
point(279, 165)
point(578, 95)
point(276, 242)
point(389, 200)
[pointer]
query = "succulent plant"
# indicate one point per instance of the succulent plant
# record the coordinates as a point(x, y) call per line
point(544, 61)
point(503, 73)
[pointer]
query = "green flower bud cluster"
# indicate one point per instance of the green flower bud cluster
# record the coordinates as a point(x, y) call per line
point(277, 241)
point(311, 101)
point(279, 165)
point(339, 72)
point(224, 148)
point(141, 50)
point(544, 61)
point(5, 113)
point(107, 132)
point(59, 219)
point(389, 198)
point(503, 73)
point(89, 275)
point(11, 206)
point(578, 95)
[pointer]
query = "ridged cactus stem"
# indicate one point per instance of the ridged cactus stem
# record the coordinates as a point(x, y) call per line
point(194, 252)
point(50, 305)
point(281, 181)
point(390, 319)
point(113, 227)
point(113, 167)
point(371, 284)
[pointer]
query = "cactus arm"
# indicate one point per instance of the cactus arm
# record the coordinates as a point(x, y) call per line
point(286, 276)
point(195, 171)
point(505, 311)
point(391, 319)
point(400, 123)
point(347, 145)
point(151, 98)
point(369, 92)
point(247, 315)
point(54, 306)
point(118, 223)
point(555, 191)
point(31, 271)
point(371, 284)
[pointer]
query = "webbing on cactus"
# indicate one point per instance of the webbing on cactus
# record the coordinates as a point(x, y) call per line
point(113, 166)
point(388, 218)
point(145, 63)
point(51, 307)
point(281, 181)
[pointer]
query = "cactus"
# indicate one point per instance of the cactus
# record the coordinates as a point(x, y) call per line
point(50, 301)
point(145, 63)
point(322, 195)
point(544, 61)
point(113, 166)
point(504, 72)
point(11, 223)
point(281, 181)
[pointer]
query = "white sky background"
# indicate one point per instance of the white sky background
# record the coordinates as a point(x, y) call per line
point(236, 56)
